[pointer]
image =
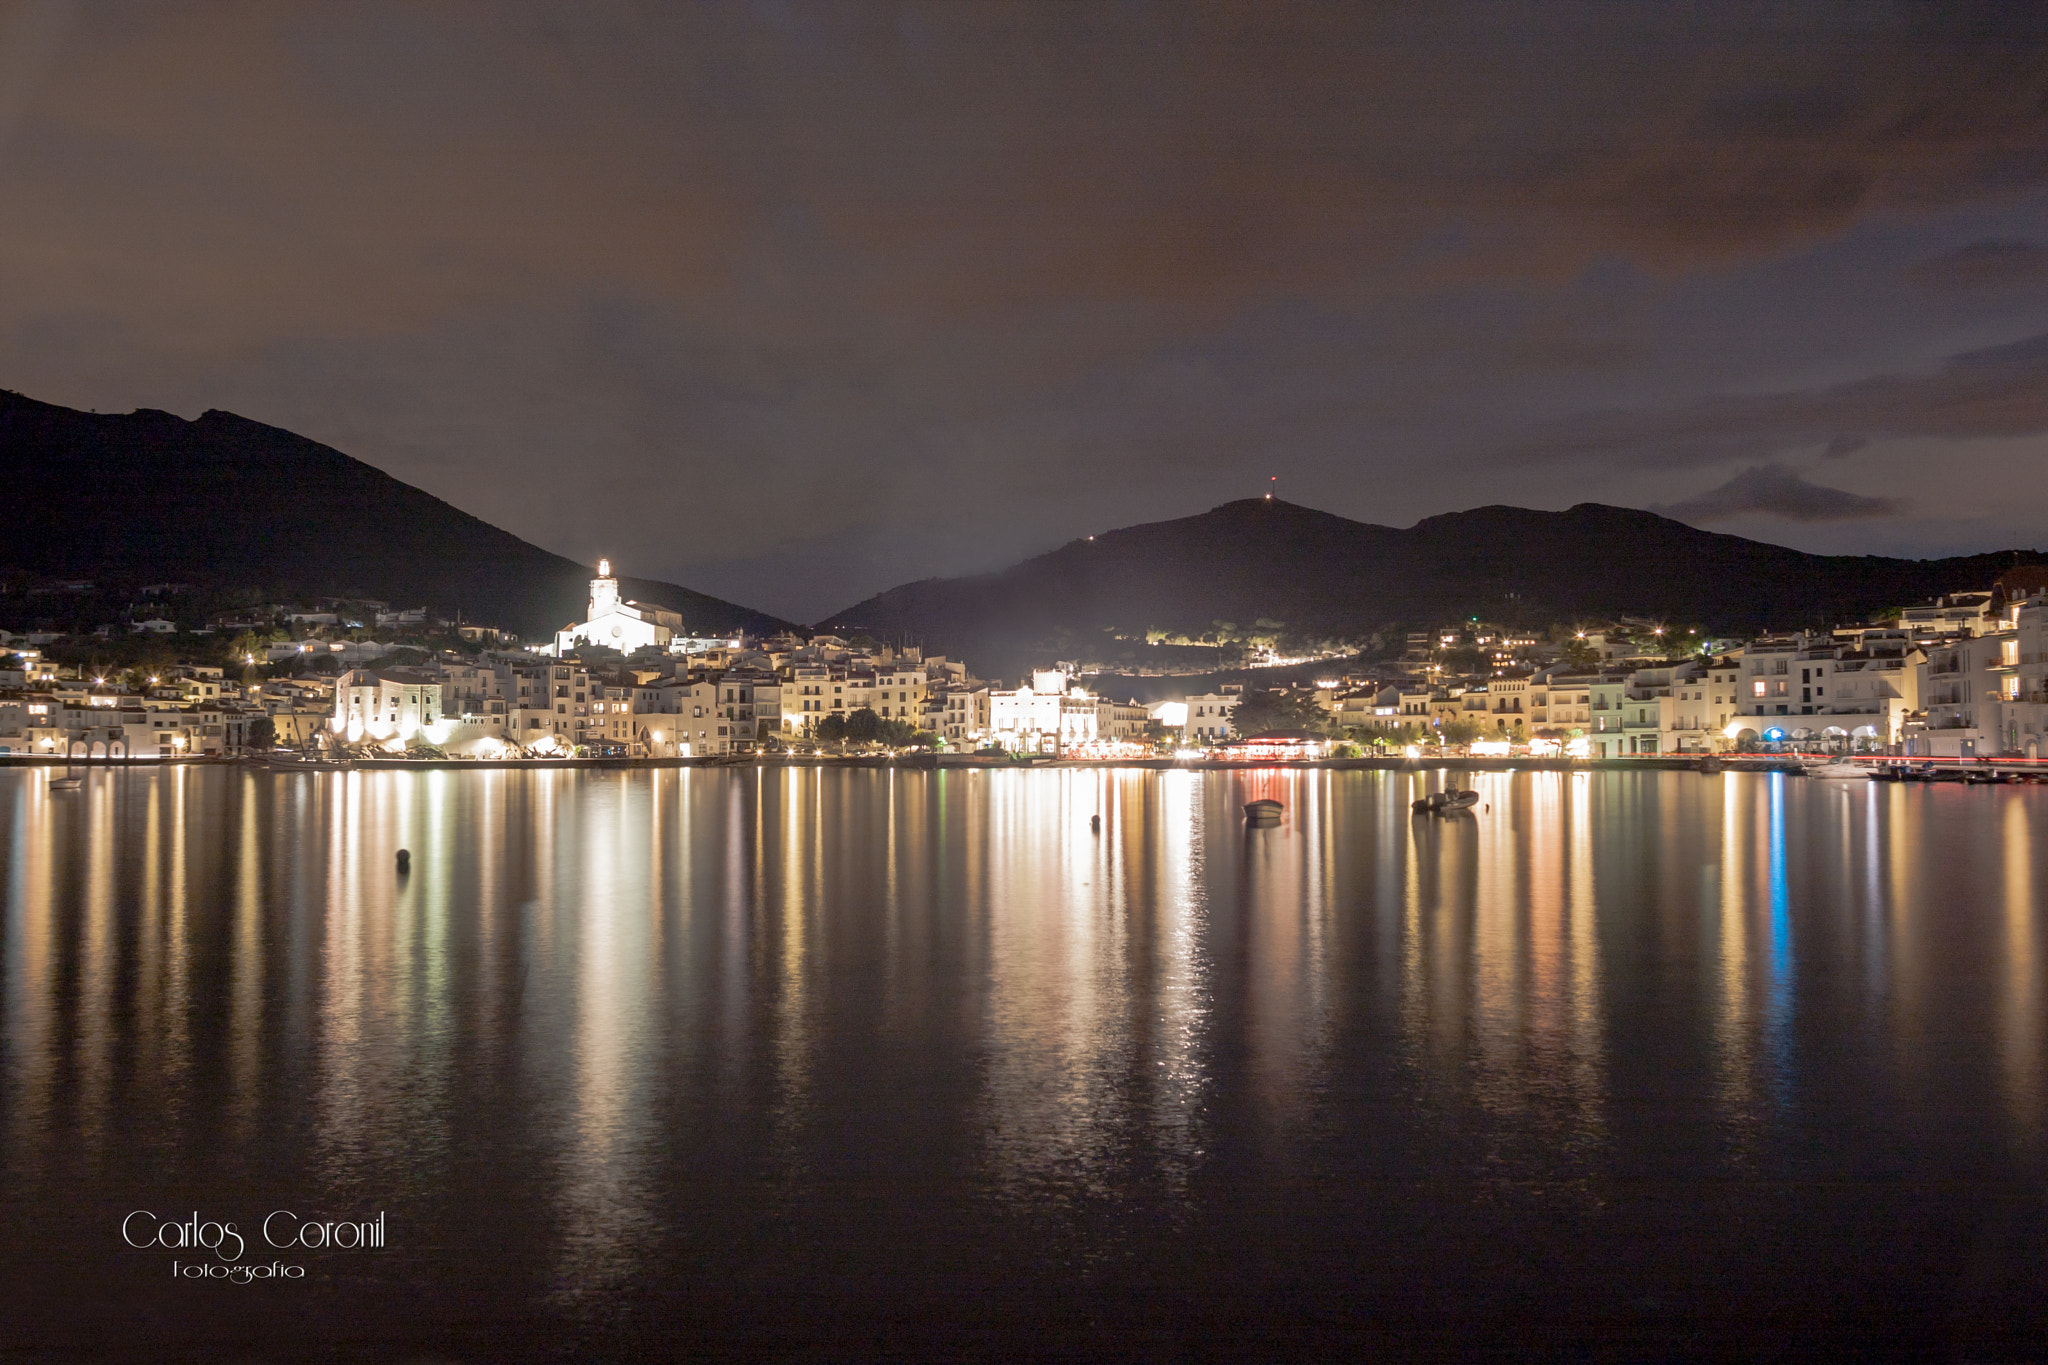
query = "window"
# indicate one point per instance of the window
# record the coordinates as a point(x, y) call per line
point(1759, 687)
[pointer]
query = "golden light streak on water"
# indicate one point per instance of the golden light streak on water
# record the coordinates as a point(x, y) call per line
point(1735, 1050)
point(245, 1000)
point(2023, 1003)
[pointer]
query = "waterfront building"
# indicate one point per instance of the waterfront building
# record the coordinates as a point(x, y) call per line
point(1606, 696)
point(1047, 716)
point(1560, 702)
point(965, 720)
point(1507, 709)
point(1208, 715)
point(1121, 721)
point(805, 697)
point(388, 704)
point(1986, 695)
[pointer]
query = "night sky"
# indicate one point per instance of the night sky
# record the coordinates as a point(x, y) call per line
point(792, 303)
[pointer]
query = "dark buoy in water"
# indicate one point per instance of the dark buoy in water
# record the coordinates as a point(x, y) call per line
point(404, 862)
point(1095, 824)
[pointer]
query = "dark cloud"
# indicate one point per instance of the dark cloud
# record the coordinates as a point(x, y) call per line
point(1990, 263)
point(2001, 391)
point(1774, 490)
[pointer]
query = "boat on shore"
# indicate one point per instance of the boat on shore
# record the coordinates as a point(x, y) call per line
point(298, 763)
point(1835, 768)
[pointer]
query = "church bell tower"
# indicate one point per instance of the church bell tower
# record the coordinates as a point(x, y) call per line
point(604, 591)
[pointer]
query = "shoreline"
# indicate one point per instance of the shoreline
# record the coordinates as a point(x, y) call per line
point(935, 763)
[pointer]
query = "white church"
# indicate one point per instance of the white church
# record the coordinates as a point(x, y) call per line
point(621, 625)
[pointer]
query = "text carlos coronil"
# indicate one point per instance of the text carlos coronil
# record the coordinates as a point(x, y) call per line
point(281, 1229)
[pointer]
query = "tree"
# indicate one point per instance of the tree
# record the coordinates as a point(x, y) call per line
point(1263, 711)
point(1580, 656)
point(1398, 737)
point(901, 734)
point(863, 726)
point(832, 728)
point(1460, 730)
point(261, 735)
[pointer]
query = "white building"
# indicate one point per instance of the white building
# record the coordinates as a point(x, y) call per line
point(1047, 717)
point(1208, 718)
point(388, 704)
point(622, 625)
point(1987, 696)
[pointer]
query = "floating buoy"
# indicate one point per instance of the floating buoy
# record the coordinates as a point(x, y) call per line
point(1095, 824)
point(404, 861)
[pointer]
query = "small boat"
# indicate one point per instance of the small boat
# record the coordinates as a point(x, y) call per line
point(1446, 802)
point(1262, 812)
point(1836, 769)
point(66, 784)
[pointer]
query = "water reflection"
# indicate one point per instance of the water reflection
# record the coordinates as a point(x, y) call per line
point(633, 1007)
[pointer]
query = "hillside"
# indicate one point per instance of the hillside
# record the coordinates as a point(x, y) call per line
point(1326, 575)
point(224, 501)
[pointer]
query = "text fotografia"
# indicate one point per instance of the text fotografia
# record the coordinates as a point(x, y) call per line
point(236, 1274)
point(281, 1229)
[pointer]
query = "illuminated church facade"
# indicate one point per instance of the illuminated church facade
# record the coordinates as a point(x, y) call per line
point(618, 624)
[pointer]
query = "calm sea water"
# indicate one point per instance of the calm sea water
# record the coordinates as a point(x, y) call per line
point(846, 1064)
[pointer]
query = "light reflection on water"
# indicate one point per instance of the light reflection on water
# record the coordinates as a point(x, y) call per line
point(657, 1019)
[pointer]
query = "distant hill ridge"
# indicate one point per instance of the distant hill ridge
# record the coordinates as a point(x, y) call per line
point(228, 502)
point(1326, 574)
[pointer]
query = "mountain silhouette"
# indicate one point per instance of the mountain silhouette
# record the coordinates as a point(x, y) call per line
point(226, 502)
point(1325, 575)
